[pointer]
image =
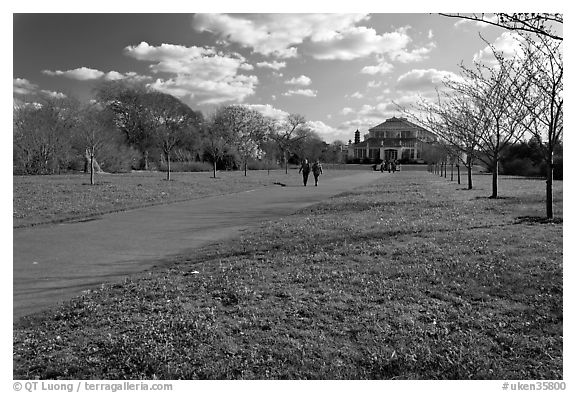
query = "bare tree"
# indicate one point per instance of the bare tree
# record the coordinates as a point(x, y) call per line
point(131, 117)
point(542, 24)
point(462, 122)
point(543, 68)
point(93, 132)
point(42, 133)
point(247, 129)
point(288, 133)
point(169, 119)
point(495, 90)
point(217, 139)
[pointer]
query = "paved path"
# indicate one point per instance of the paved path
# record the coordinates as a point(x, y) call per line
point(56, 262)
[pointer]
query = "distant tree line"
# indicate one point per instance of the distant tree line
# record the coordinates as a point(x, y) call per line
point(130, 127)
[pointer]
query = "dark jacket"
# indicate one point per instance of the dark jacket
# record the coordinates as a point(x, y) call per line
point(316, 168)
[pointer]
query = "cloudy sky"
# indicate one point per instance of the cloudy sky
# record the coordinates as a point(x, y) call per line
point(341, 71)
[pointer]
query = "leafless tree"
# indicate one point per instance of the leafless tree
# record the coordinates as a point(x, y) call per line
point(42, 133)
point(543, 68)
point(217, 139)
point(93, 132)
point(168, 119)
point(494, 89)
point(542, 24)
point(247, 129)
point(126, 102)
point(288, 133)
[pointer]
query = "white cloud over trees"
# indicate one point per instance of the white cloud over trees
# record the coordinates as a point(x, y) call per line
point(81, 74)
point(508, 44)
point(24, 86)
point(424, 79)
point(201, 74)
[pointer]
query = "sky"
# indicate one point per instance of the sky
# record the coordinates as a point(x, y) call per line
point(343, 72)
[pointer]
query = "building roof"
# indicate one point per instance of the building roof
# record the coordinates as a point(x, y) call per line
point(395, 122)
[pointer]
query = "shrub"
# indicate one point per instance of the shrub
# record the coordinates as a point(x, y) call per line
point(520, 167)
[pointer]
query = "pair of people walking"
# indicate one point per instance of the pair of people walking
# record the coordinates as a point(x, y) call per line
point(305, 169)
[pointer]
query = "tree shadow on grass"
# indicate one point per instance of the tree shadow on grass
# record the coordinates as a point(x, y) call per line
point(533, 220)
point(495, 198)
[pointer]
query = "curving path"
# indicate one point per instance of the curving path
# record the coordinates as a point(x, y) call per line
point(56, 262)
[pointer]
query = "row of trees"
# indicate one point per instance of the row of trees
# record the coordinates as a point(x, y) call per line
point(130, 126)
point(494, 106)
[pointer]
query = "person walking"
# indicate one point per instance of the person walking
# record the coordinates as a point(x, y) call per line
point(305, 170)
point(316, 171)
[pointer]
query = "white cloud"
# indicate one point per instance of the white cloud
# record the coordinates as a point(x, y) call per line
point(382, 68)
point(376, 111)
point(24, 86)
point(508, 44)
point(275, 34)
point(53, 94)
point(357, 42)
point(357, 95)
point(464, 22)
point(166, 52)
point(322, 36)
point(374, 84)
point(269, 111)
point(301, 92)
point(347, 110)
point(414, 55)
point(430, 34)
point(114, 76)
point(328, 133)
point(302, 80)
point(428, 79)
point(201, 74)
point(81, 74)
point(275, 65)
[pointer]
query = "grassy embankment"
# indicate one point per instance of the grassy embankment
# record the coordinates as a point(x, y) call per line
point(50, 199)
point(412, 277)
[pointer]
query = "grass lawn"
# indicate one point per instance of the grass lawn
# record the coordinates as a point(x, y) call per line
point(412, 277)
point(56, 198)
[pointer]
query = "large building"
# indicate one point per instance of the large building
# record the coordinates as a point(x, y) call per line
point(395, 139)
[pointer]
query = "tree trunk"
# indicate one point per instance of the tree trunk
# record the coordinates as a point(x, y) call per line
point(469, 170)
point(214, 168)
point(549, 180)
point(458, 169)
point(286, 162)
point(92, 167)
point(495, 177)
point(168, 163)
point(145, 160)
point(246, 167)
point(452, 172)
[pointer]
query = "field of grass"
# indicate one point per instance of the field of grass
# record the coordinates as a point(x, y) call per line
point(56, 198)
point(412, 277)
